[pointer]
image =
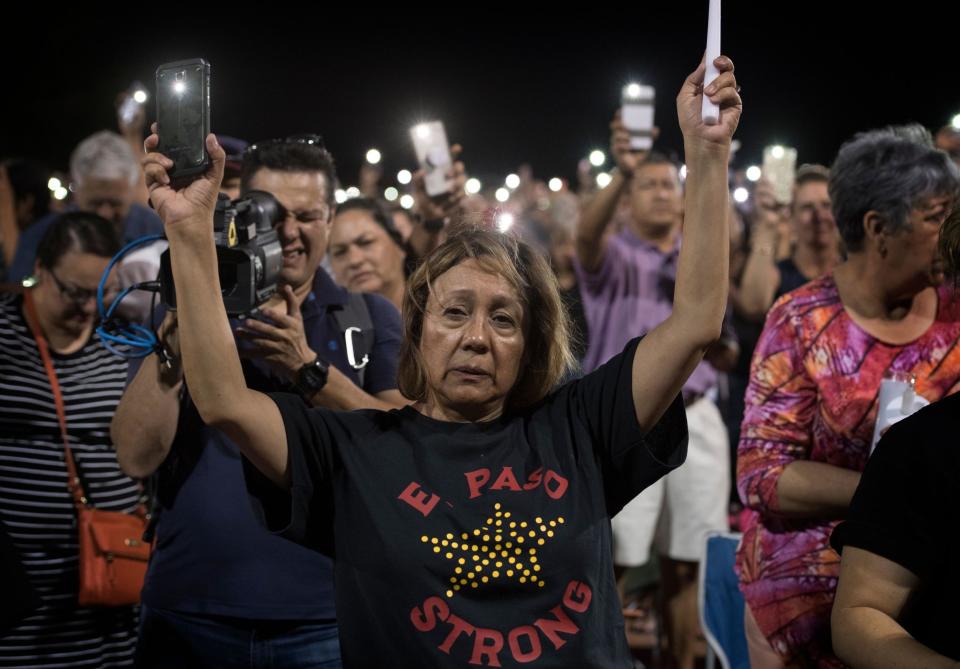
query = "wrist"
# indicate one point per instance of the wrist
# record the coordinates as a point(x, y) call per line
point(704, 153)
point(312, 377)
point(620, 178)
point(765, 250)
point(194, 232)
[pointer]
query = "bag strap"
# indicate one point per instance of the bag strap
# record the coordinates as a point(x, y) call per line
point(355, 323)
point(73, 478)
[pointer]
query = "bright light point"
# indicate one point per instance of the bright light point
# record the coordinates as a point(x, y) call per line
point(955, 122)
point(683, 173)
point(54, 183)
point(391, 194)
point(741, 195)
point(340, 196)
point(633, 90)
point(504, 222)
point(777, 152)
point(555, 184)
point(140, 96)
point(60, 193)
point(179, 87)
point(353, 191)
point(373, 156)
point(423, 131)
point(512, 181)
point(597, 158)
point(502, 195)
point(404, 176)
point(406, 202)
point(472, 186)
point(604, 179)
point(753, 173)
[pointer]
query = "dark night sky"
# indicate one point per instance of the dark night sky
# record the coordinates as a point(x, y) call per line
point(511, 90)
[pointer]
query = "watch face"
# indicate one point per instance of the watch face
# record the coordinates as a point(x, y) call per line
point(312, 377)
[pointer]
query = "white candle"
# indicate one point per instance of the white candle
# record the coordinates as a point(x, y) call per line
point(711, 112)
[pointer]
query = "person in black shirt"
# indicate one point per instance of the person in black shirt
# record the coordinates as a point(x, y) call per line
point(473, 526)
point(896, 603)
point(897, 597)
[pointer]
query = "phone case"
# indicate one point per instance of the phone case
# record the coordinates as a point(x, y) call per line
point(779, 168)
point(183, 123)
point(433, 154)
point(636, 113)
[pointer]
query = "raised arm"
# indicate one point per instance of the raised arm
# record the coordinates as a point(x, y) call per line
point(598, 209)
point(210, 361)
point(668, 355)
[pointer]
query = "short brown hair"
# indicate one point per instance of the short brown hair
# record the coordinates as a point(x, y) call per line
point(547, 356)
point(808, 173)
point(811, 172)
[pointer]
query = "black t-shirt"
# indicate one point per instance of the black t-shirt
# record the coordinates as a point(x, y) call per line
point(467, 544)
point(907, 510)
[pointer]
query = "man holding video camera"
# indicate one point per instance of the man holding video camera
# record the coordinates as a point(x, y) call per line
point(222, 591)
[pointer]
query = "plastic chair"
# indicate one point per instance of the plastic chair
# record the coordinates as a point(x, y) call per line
point(721, 603)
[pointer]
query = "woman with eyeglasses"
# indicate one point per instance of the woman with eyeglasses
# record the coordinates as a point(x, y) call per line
point(40, 620)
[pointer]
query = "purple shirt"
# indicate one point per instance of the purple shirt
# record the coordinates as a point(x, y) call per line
point(629, 295)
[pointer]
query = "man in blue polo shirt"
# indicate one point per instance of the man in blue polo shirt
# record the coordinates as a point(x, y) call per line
point(221, 591)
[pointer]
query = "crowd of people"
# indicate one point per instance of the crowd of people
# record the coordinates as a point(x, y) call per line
point(458, 425)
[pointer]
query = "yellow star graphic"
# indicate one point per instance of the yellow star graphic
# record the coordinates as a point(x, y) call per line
point(504, 548)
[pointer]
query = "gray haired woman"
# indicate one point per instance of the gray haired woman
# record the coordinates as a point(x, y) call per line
point(882, 324)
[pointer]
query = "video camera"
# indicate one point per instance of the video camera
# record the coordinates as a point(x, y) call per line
point(249, 254)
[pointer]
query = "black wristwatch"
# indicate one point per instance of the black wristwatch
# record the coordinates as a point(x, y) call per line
point(312, 377)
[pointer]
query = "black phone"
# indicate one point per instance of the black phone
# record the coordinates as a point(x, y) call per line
point(183, 117)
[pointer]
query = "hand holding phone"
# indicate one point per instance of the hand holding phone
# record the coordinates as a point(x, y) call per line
point(636, 114)
point(433, 154)
point(779, 168)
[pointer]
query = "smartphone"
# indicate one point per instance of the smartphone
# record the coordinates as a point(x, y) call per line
point(779, 168)
point(433, 154)
point(183, 117)
point(636, 113)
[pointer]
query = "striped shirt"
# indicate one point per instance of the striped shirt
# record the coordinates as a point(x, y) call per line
point(36, 508)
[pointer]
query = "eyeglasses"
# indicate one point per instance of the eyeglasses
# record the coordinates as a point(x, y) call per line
point(81, 295)
point(308, 139)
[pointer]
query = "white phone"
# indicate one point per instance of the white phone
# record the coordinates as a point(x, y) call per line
point(779, 168)
point(433, 154)
point(636, 113)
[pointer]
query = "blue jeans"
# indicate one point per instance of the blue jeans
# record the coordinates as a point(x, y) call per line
point(175, 639)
